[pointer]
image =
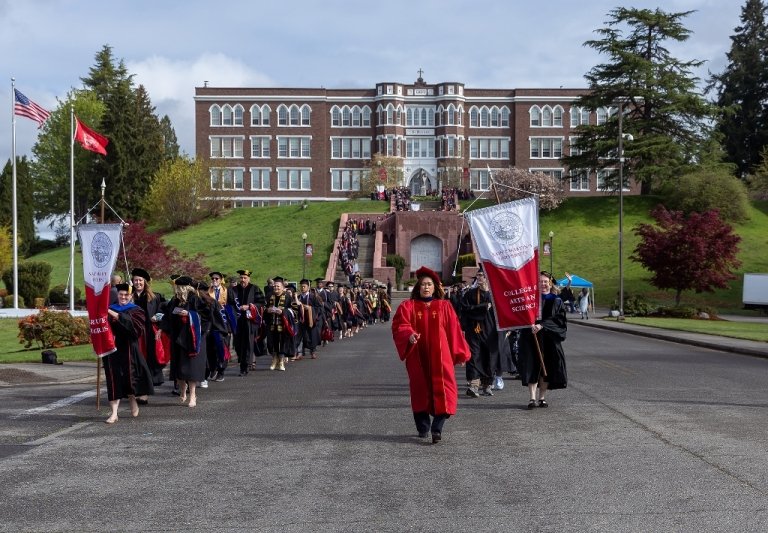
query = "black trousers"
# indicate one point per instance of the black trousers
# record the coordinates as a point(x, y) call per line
point(424, 425)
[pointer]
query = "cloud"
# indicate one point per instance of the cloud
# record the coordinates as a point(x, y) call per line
point(171, 85)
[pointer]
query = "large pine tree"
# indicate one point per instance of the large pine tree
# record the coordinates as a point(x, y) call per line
point(664, 112)
point(25, 214)
point(742, 90)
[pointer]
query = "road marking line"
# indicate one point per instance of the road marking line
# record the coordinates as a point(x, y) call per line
point(56, 434)
point(57, 404)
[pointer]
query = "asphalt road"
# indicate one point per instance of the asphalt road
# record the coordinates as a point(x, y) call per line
point(649, 436)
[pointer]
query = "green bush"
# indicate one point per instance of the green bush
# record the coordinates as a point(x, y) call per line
point(706, 189)
point(8, 301)
point(397, 261)
point(466, 260)
point(53, 329)
point(680, 311)
point(34, 280)
point(59, 295)
point(637, 305)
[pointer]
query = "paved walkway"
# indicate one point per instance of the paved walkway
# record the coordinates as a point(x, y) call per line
point(85, 372)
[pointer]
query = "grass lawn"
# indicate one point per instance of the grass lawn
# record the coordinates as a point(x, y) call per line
point(738, 330)
point(12, 351)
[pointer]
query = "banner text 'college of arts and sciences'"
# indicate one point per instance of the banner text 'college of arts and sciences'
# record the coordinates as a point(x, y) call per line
point(100, 245)
point(506, 239)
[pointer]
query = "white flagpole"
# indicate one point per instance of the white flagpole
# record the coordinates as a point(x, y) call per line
point(14, 208)
point(72, 209)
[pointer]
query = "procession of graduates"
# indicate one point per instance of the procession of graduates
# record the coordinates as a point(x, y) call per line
point(195, 333)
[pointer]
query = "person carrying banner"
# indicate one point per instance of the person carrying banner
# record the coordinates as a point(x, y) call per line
point(125, 369)
point(281, 325)
point(542, 342)
point(186, 321)
point(482, 338)
point(429, 339)
point(151, 303)
point(248, 300)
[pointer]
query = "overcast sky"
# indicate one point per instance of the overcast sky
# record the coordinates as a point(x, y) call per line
point(174, 46)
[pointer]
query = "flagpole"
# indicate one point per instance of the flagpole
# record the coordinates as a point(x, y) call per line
point(14, 208)
point(72, 209)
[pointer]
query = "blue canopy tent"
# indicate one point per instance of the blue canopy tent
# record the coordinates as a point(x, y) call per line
point(577, 282)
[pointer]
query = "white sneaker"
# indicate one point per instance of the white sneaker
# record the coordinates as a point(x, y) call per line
point(204, 384)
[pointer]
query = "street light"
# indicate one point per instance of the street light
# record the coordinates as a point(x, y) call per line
point(629, 137)
point(304, 255)
point(551, 253)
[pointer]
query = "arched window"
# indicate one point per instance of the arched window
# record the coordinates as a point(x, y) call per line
point(390, 113)
point(215, 112)
point(305, 113)
point(282, 115)
point(255, 115)
point(602, 116)
point(439, 116)
point(504, 117)
point(238, 115)
point(535, 113)
point(459, 119)
point(295, 118)
point(484, 117)
point(335, 116)
point(356, 116)
point(399, 120)
point(226, 116)
point(557, 116)
point(409, 117)
point(366, 116)
point(546, 116)
point(474, 117)
point(265, 112)
point(345, 116)
point(494, 117)
point(424, 121)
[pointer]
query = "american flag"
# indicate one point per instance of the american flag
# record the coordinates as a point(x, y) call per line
point(24, 107)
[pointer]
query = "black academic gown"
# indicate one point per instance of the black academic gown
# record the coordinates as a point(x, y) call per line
point(482, 337)
point(126, 370)
point(150, 308)
point(185, 363)
point(311, 318)
point(246, 328)
point(555, 327)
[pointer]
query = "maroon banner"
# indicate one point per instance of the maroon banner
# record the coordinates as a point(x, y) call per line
point(516, 297)
point(101, 334)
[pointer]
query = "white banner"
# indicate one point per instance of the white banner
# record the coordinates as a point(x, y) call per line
point(100, 244)
point(506, 238)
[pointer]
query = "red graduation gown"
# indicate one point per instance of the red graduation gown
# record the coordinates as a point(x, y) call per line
point(430, 361)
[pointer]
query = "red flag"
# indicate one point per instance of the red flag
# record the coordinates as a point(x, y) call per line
point(89, 139)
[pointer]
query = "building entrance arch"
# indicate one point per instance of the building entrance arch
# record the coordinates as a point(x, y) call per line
point(421, 182)
point(427, 250)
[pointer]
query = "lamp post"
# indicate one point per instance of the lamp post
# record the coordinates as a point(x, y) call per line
point(304, 255)
point(629, 137)
point(551, 253)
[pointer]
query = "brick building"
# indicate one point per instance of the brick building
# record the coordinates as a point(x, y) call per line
point(279, 146)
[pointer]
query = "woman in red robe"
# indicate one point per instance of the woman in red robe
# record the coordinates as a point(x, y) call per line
point(429, 339)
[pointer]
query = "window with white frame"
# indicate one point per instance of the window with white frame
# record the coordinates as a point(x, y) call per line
point(572, 146)
point(420, 147)
point(346, 117)
point(366, 117)
point(260, 115)
point(227, 179)
point(535, 113)
point(546, 147)
point(282, 115)
point(489, 148)
point(293, 179)
point(293, 147)
point(474, 117)
point(579, 180)
point(557, 117)
point(260, 179)
point(608, 179)
point(504, 117)
point(260, 146)
point(335, 116)
point(478, 180)
point(602, 116)
point(226, 147)
point(556, 173)
point(546, 116)
point(350, 148)
point(215, 115)
point(306, 111)
point(346, 179)
point(356, 117)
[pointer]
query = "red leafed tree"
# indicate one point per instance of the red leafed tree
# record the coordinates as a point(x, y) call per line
point(148, 251)
point(697, 252)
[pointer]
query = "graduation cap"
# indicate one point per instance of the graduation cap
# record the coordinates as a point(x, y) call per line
point(329, 283)
point(174, 277)
point(291, 286)
point(304, 281)
point(215, 273)
point(140, 272)
point(123, 287)
point(279, 279)
point(244, 273)
point(319, 280)
point(428, 272)
point(182, 281)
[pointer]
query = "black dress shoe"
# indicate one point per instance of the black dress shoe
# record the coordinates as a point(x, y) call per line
point(176, 392)
point(423, 434)
point(142, 401)
point(436, 437)
point(532, 404)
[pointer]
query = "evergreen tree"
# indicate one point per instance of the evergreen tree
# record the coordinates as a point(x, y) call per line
point(742, 90)
point(25, 212)
point(106, 76)
point(662, 109)
point(170, 141)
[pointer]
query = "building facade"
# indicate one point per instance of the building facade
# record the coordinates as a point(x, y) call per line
point(279, 146)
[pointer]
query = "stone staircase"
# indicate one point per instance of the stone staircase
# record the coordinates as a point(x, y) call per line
point(364, 260)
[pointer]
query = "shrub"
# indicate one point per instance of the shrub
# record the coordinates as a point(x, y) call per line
point(637, 305)
point(53, 329)
point(706, 189)
point(397, 261)
point(34, 280)
point(679, 311)
point(466, 260)
point(59, 295)
point(8, 301)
